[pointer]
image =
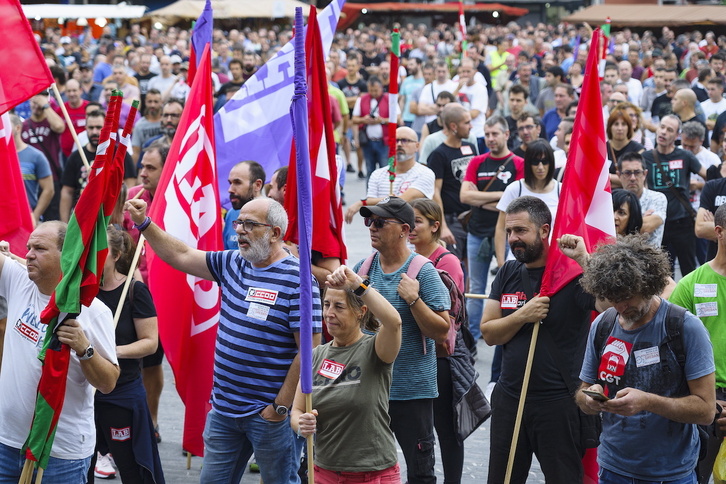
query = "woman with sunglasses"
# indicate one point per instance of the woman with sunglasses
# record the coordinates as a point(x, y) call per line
point(539, 171)
point(351, 385)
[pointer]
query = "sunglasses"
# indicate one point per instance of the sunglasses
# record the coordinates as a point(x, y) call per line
point(543, 161)
point(379, 223)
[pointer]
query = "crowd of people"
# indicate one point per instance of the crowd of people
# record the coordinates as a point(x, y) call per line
point(484, 130)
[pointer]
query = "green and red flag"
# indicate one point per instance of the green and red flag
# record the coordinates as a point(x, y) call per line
point(393, 105)
point(82, 259)
point(603, 47)
point(462, 29)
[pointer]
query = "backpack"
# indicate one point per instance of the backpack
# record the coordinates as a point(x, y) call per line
point(457, 314)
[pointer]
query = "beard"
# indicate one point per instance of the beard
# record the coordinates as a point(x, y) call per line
point(400, 157)
point(527, 253)
point(259, 248)
point(239, 201)
point(168, 130)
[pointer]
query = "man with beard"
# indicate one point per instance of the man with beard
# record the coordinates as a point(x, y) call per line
point(149, 126)
point(246, 180)
point(528, 128)
point(653, 363)
point(236, 70)
point(413, 180)
point(254, 377)
point(551, 421)
point(170, 116)
point(165, 79)
point(75, 175)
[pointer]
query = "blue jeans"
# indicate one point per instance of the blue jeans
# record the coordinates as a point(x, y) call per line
point(229, 442)
point(67, 471)
point(376, 155)
point(480, 251)
point(610, 477)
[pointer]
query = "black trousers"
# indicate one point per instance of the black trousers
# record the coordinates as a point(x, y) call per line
point(412, 422)
point(679, 240)
point(550, 430)
point(452, 449)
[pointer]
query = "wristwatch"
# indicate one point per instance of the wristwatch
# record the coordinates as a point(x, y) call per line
point(362, 288)
point(279, 409)
point(88, 354)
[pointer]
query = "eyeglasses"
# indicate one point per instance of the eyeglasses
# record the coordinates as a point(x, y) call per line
point(629, 173)
point(248, 225)
point(404, 141)
point(528, 127)
point(379, 223)
point(543, 161)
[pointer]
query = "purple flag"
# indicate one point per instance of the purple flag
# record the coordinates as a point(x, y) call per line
point(201, 36)
point(254, 124)
point(299, 119)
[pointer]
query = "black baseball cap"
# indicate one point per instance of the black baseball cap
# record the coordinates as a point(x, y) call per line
point(391, 207)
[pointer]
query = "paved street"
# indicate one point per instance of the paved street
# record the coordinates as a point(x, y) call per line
point(172, 412)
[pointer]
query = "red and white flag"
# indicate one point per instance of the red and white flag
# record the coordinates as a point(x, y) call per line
point(327, 202)
point(586, 204)
point(186, 205)
point(24, 71)
point(16, 222)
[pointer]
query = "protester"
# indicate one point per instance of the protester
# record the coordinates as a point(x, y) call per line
point(363, 428)
point(37, 176)
point(266, 430)
point(627, 213)
point(246, 180)
point(654, 393)
point(619, 131)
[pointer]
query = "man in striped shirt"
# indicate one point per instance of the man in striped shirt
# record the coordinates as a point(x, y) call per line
point(256, 368)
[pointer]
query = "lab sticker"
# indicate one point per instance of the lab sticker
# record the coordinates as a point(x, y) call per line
point(647, 356)
point(330, 369)
point(705, 290)
point(258, 311)
point(707, 309)
point(466, 150)
point(509, 301)
point(675, 164)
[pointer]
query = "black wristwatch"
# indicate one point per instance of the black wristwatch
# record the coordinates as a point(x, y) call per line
point(364, 285)
point(279, 409)
point(88, 354)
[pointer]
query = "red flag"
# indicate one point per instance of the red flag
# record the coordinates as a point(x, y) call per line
point(327, 202)
point(186, 205)
point(25, 72)
point(16, 224)
point(585, 207)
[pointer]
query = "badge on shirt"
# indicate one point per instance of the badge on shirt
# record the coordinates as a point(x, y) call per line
point(647, 356)
point(707, 309)
point(120, 435)
point(331, 369)
point(505, 176)
point(613, 361)
point(509, 301)
point(704, 290)
point(675, 164)
point(258, 311)
point(466, 150)
point(266, 296)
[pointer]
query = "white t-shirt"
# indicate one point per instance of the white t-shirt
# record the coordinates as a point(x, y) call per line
point(161, 83)
point(420, 177)
point(75, 436)
point(707, 158)
point(519, 189)
point(711, 110)
point(478, 97)
point(431, 90)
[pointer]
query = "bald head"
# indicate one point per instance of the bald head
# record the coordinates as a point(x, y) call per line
point(453, 113)
point(618, 96)
point(687, 96)
point(406, 132)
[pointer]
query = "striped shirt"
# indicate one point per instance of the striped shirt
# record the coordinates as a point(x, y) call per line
point(259, 317)
point(414, 373)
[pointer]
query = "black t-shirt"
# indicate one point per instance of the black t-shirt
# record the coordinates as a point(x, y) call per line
point(565, 328)
point(142, 308)
point(229, 85)
point(75, 175)
point(713, 196)
point(718, 127)
point(449, 164)
point(374, 61)
point(144, 82)
point(661, 106)
point(351, 89)
point(519, 151)
point(678, 165)
point(483, 222)
point(434, 126)
point(615, 155)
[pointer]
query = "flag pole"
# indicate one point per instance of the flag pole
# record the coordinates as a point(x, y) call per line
point(39, 475)
point(309, 440)
point(26, 477)
point(520, 406)
point(70, 126)
point(134, 263)
point(393, 106)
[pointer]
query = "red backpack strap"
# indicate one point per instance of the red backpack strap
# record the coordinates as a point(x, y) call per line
point(365, 267)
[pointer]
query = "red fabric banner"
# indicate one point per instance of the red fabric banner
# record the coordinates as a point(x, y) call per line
point(16, 224)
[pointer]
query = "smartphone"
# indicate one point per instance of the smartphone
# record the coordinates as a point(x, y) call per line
point(600, 397)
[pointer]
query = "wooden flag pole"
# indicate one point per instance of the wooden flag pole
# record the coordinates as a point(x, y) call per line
point(311, 460)
point(520, 406)
point(471, 295)
point(69, 124)
point(39, 475)
point(26, 477)
point(134, 262)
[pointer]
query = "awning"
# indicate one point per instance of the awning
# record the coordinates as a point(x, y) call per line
point(50, 10)
point(648, 15)
point(351, 11)
point(230, 9)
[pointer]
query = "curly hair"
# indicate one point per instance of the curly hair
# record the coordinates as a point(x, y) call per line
point(628, 268)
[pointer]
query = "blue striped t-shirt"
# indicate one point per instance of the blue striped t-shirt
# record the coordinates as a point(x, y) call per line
point(255, 341)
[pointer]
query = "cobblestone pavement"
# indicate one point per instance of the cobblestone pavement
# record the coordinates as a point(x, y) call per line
point(172, 411)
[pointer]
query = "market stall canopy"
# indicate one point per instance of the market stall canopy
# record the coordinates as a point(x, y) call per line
point(648, 15)
point(49, 10)
point(352, 11)
point(230, 9)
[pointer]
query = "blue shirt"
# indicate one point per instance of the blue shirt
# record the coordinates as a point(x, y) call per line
point(259, 317)
point(550, 122)
point(229, 234)
point(33, 166)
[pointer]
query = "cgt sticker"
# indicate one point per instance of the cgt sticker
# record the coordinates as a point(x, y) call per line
point(265, 296)
point(614, 359)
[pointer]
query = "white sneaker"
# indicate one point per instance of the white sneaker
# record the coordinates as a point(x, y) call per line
point(104, 467)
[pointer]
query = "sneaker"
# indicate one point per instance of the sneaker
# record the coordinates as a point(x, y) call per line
point(253, 466)
point(104, 467)
point(350, 169)
point(157, 434)
point(361, 175)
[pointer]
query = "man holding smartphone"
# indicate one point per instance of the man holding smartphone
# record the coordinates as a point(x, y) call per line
point(655, 363)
